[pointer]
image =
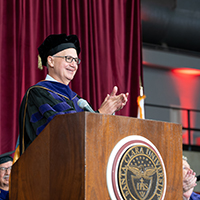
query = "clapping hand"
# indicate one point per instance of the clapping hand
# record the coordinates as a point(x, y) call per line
point(113, 102)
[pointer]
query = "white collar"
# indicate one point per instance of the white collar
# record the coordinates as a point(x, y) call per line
point(49, 78)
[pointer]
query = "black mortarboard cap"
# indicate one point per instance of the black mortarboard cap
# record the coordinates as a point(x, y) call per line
point(6, 157)
point(56, 43)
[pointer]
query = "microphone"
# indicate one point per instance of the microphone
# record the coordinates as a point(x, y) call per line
point(198, 178)
point(85, 105)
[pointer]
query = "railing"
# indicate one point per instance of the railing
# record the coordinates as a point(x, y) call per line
point(189, 146)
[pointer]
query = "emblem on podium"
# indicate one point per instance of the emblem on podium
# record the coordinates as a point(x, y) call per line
point(136, 170)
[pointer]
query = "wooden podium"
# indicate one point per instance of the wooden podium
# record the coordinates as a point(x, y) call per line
point(68, 160)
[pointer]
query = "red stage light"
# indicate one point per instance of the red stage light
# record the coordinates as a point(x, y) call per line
point(187, 71)
point(186, 83)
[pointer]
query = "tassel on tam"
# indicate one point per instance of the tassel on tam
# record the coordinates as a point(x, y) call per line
point(40, 63)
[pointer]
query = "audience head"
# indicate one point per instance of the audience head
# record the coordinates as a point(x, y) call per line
point(5, 169)
point(186, 166)
point(189, 179)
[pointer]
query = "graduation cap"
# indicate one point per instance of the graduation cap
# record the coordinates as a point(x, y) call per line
point(6, 157)
point(54, 44)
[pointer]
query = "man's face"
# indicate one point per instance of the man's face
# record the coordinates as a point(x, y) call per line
point(61, 70)
point(4, 175)
point(186, 167)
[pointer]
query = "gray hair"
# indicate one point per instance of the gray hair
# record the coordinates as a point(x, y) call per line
point(184, 158)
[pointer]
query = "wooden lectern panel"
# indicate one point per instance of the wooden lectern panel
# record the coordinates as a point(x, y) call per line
point(68, 160)
point(167, 137)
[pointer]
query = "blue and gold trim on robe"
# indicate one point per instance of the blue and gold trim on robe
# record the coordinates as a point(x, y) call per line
point(41, 103)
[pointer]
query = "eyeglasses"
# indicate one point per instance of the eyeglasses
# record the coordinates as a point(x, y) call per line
point(4, 169)
point(70, 59)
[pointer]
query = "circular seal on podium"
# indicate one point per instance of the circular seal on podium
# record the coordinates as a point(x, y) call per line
point(136, 170)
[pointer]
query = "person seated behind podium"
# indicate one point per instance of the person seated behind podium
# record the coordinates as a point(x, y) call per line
point(5, 169)
point(53, 96)
point(189, 182)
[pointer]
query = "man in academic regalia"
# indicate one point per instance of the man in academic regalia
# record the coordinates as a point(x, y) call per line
point(5, 169)
point(51, 97)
